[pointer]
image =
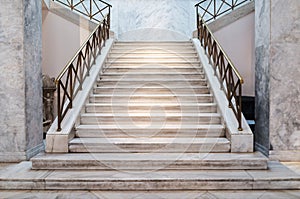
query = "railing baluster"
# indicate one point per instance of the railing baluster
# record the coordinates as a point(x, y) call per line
point(91, 9)
point(59, 119)
point(240, 107)
point(229, 78)
point(213, 9)
point(84, 59)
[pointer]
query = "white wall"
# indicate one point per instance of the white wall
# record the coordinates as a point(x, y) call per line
point(61, 40)
point(237, 39)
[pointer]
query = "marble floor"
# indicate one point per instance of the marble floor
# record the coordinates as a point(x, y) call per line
point(151, 195)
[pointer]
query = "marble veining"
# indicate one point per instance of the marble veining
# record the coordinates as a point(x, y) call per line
point(277, 74)
point(33, 72)
point(133, 19)
point(20, 90)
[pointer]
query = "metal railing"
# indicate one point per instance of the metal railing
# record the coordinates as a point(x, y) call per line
point(230, 79)
point(93, 9)
point(212, 9)
point(70, 80)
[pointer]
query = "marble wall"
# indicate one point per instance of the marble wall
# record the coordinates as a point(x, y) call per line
point(154, 19)
point(262, 45)
point(277, 76)
point(20, 86)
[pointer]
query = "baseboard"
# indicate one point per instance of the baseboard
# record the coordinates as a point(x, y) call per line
point(285, 156)
point(264, 150)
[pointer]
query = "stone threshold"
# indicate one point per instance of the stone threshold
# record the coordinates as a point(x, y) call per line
point(150, 161)
point(21, 177)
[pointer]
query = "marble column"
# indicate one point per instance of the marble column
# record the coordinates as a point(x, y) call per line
point(21, 80)
point(277, 50)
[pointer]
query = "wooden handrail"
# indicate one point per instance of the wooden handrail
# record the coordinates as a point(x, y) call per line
point(70, 80)
point(229, 77)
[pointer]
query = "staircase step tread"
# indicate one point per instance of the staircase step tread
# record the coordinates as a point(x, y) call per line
point(153, 42)
point(228, 157)
point(149, 104)
point(143, 141)
point(189, 52)
point(152, 115)
point(154, 86)
point(149, 66)
point(152, 61)
point(151, 73)
point(276, 177)
point(167, 126)
point(132, 56)
point(152, 95)
point(184, 82)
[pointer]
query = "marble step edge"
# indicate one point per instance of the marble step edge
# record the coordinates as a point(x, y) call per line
point(154, 47)
point(115, 115)
point(150, 57)
point(150, 77)
point(158, 52)
point(153, 42)
point(153, 62)
point(152, 95)
point(163, 82)
point(140, 105)
point(168, 131)
point(22, 177)
point(152, 74)
point(128, 127)
point(86, 146)
point(149, 67)
point(149, 90)
point(148, 141)
point(152, 87)
point(150, 161)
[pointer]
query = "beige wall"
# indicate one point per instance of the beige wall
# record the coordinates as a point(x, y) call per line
point(237, 39)
point(61, 39)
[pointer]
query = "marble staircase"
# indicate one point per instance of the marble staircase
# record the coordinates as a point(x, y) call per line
point(150, 124)
point(151, 107)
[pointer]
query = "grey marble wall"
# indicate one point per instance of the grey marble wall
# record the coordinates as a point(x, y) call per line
point(20, 85)
point(262, 76)
point(153, 19)
point(278, 72)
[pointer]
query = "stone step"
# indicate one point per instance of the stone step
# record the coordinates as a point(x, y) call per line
point(151, 43)
point(130, 58)
point(145, 120)
point(110, 76)
point(148, 108)
point(191, 56)
point(152, 62)
point(151, 98)
point(161, 82)
point(152, 70)
point(178, 51)
point(22, 177)
point(151, 66)
point(150, 161)
point(149, 145)
point(156, 54)
point(125, 131)
point(151, 90)
point(154, 47)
